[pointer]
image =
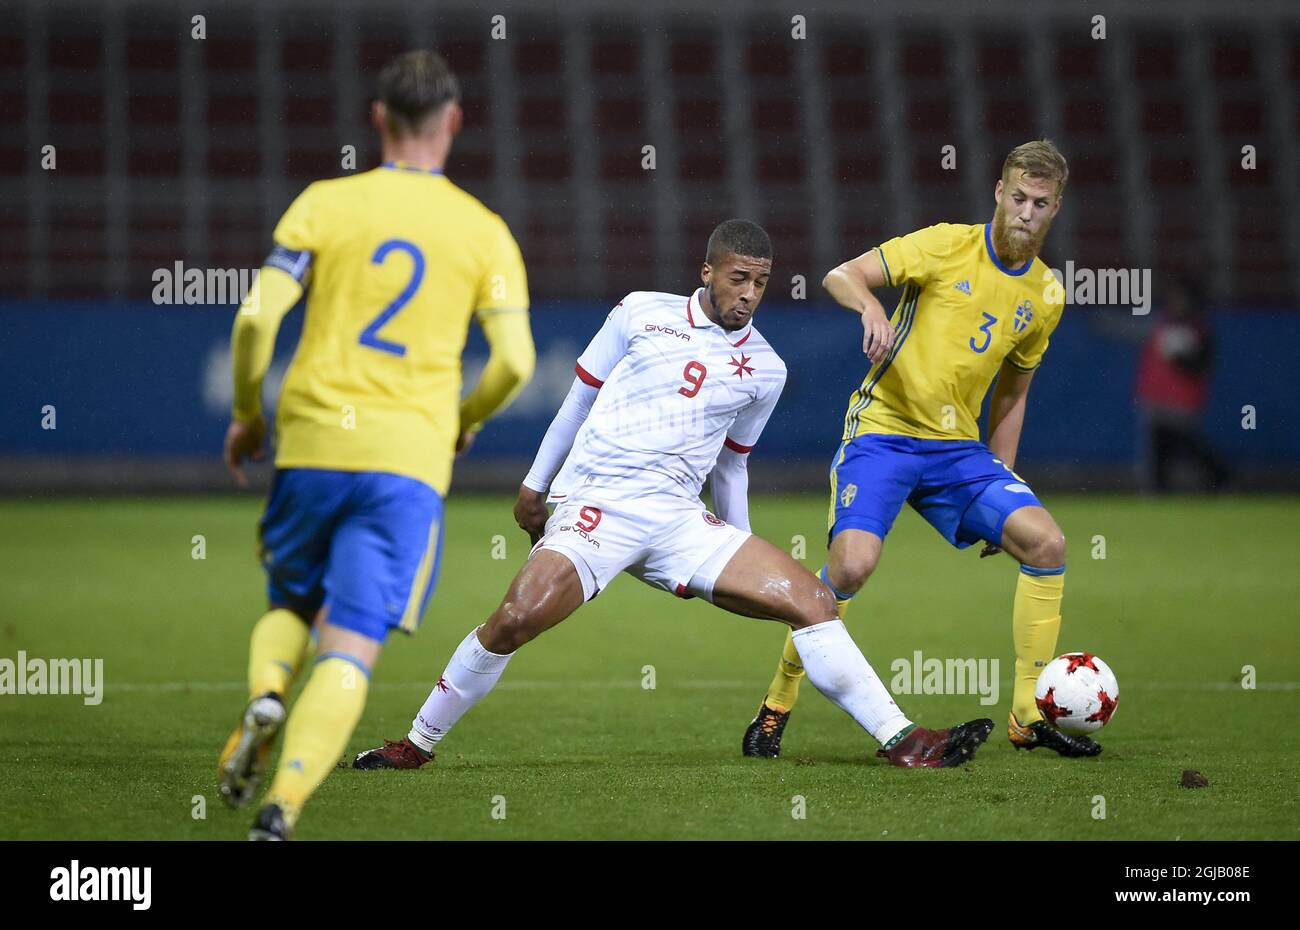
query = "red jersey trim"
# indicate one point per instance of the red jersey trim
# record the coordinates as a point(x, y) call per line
point(737, 447)
point(587, 377)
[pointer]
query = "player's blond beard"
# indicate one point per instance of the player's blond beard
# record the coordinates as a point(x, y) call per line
point(1014, 249)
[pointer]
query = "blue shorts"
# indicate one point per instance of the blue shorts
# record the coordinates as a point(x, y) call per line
point(956, 485)
point(364, 544)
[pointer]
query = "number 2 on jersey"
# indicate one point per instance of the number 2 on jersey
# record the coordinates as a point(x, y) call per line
point(370, 335)
point(694, 374)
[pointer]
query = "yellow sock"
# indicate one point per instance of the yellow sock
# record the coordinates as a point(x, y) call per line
point(783, 692)
point(275, 652)
point(1035, 623)
point(318, 730)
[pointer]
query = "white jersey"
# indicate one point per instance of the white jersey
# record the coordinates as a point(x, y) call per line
point(674, 388)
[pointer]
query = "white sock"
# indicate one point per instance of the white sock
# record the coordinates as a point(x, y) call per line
point(470, 675)
point(838, 669)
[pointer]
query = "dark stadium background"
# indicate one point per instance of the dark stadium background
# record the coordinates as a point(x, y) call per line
point(173, 149)
point(122, 538)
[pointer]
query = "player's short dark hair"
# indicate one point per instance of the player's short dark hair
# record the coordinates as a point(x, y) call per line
point(413, 86)
point(739, 237)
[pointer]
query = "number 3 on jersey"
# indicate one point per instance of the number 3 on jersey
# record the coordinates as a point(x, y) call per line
point(989, 320)
point(694, 374)
point(370, 335)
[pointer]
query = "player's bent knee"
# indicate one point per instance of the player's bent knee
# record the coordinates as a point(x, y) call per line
point(853, 558)
point(1048, 550)
point(853, 574)
point(511, 626)
point(817, 606)
point(1056, 548)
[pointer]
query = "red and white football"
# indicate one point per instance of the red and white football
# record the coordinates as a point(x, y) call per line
point(1077, 693)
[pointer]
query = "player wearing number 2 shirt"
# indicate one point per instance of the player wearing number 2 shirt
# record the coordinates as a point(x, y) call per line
point(396, 263)
point(672, 389)
point(977, 304)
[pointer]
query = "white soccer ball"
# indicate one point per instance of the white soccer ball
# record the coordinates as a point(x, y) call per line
point(1077, 693)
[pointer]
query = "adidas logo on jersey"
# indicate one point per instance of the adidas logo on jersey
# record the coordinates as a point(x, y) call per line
point(963, 286)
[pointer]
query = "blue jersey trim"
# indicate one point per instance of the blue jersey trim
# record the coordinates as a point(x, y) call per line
point(889, 278)
point(403, 166)
point(352, 660)
point(866, 392)
point(293, 262)
point(988, 246)
point(909, 317)
point(1030, 570)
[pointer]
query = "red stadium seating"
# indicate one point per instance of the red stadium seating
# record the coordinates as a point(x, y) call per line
point(833, 141)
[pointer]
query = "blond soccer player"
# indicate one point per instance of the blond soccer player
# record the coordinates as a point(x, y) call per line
point(977, 304)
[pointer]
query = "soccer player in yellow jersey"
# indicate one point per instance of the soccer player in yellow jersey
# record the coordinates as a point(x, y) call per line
point(395, 262)
point(977, 304)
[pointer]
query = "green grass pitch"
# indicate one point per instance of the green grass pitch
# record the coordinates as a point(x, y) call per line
point(1188, 593)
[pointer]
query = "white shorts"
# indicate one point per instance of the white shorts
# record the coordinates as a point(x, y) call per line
point(667, 542)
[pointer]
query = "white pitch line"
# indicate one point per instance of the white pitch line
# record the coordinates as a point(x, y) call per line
point(520, 685)
point(545, 684)
point(1217, 686)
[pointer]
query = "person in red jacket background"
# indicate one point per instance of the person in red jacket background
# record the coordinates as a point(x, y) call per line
point(1173, 386)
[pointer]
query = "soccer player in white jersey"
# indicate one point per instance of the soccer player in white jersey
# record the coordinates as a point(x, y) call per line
point(672, 389)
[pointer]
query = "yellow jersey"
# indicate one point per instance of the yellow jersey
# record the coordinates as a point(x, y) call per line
point(397, 261)
point(961, 315)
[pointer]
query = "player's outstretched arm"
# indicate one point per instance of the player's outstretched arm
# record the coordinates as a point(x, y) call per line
point(509, 368)
point(530, 508)
point(850, 284)
point(252, 342)
point(596, 363)
point(729, 480)
point(729, 486)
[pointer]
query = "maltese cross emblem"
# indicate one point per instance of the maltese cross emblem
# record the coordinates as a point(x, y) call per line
point(742, 366)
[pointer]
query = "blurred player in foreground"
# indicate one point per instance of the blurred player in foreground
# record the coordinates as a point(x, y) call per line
point(398, 260)
point(670, 390)
point(977, 304)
